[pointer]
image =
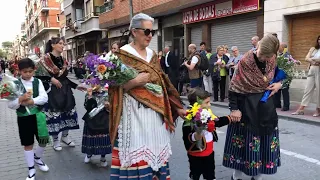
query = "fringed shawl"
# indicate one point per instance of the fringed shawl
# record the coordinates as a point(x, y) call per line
point(248, 78)
point(164, 105)
point(48, 64)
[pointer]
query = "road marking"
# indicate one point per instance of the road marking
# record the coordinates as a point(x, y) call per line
point(300, 156)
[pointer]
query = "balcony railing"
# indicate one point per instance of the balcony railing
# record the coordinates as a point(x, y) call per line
point(106, 7)
point(44, 5)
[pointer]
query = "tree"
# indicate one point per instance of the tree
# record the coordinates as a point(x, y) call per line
point(7, 45)
point(2, 54)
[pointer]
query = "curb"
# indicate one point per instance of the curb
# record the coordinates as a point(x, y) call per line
point(281, 116)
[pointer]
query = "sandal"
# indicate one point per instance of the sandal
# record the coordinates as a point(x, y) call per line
point(299, 112)
point(316, 114)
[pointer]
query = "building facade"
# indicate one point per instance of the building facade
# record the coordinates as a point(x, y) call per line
point(231, 23)
point(81, 27)
point(179, 23)
point(20, 43)
point(42, 23)
point(296, 23)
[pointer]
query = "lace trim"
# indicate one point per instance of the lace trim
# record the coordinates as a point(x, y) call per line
point(143, 153)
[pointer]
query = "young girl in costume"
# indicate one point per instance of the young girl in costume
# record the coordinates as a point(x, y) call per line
point(96, 140)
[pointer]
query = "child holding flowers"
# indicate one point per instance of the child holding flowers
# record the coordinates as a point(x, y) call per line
point(199, 134)
point(31, 121)
point(96, 140)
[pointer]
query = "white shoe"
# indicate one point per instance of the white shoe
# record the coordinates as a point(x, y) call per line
point(57, 145)
point(87, 159)
point(31, 178)
point(42, 166)
point(103, 162)
point(67, 141)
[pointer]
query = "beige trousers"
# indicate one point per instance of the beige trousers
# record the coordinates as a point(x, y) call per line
point(313, 82)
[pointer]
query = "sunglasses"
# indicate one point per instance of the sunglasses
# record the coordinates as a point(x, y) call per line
point(147, 31)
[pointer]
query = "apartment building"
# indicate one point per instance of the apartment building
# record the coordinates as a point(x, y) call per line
point(42, 23)
point(20, 43)
point(179, 23)
point(82, 32)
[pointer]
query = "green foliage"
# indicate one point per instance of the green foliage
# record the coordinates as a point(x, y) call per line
point(287, 64)
point(7, 45)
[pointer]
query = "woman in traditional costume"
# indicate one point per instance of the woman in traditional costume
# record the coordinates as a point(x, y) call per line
point(252, 146)
point(60, 110)
point(140, 121)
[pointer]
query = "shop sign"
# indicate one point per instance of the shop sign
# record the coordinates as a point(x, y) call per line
point(215, 10)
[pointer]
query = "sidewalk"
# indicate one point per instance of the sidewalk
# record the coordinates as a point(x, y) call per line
point(306, 118)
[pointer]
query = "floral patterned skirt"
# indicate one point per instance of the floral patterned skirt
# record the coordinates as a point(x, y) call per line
point(249, 153)
point(60, 121)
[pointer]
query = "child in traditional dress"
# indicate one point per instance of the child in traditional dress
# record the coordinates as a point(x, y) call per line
point(31, 123)
point(202, 161)
point(96, 140)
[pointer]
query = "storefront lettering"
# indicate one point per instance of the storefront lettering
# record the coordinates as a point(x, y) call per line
point(207, 13)
point(224, 12)
point(216, 10)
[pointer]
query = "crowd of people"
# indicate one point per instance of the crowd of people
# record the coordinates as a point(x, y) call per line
point(136, 125)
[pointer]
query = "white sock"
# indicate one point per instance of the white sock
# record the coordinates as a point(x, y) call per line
point(39, 154)
point(258, 177)
point(65, 133)
point(55, 137)
point(237, 174)
point(29, 156)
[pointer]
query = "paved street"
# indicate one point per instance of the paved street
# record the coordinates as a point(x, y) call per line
point(300, 153)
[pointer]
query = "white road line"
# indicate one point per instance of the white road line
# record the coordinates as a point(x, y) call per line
point(300, 156)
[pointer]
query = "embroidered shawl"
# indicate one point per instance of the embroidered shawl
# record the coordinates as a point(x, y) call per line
point(164, 105)
point(48, 64)
point(248, 78)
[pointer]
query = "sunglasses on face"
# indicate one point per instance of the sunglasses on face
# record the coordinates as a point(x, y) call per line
point(147, 31)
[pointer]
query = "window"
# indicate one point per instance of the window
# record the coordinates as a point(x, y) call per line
point(89, 9)
point(68, 21)
point(58, 17)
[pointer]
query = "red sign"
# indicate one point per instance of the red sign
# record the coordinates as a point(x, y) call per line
point(241, 6)
point(215, 10)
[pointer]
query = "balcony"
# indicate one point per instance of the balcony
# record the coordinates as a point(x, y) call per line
point(108, 6)
point(44, 5)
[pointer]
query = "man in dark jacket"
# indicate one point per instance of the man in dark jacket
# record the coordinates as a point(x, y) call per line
point(172, 66)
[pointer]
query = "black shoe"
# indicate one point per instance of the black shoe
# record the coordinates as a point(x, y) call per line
point(285, 109)
point(222, 100)
point(234, 179)
point(252, 178)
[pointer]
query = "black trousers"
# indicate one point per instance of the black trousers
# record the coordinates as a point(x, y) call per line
point(285, 96)
point(202, 166)
point(219, 84)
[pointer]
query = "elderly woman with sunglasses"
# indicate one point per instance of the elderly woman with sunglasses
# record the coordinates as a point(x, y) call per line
point(140, 121)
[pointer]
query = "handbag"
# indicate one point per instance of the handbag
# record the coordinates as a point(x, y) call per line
point(260, 117)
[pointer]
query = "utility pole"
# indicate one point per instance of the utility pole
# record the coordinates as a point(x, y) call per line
point(130, 9)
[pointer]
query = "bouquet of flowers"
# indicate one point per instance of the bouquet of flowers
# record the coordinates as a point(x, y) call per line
point(284, 72)
point(200, 119)
point(110, 70)
point(11, 88)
